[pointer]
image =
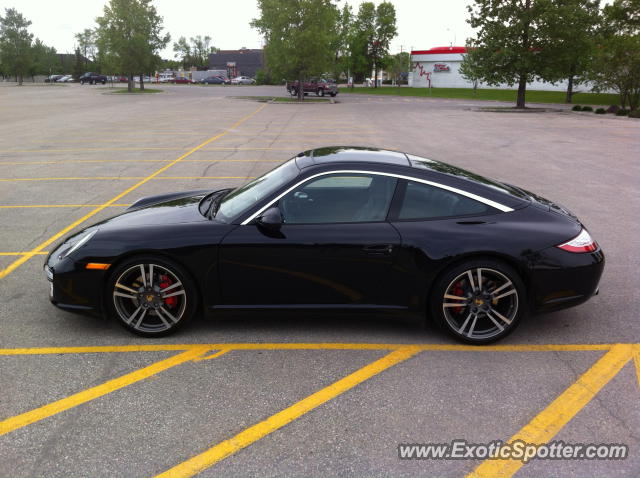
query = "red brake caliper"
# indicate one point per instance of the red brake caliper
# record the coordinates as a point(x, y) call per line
point(457, 290)
point(164, 283)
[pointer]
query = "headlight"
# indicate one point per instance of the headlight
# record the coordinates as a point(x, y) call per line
point(76, 242)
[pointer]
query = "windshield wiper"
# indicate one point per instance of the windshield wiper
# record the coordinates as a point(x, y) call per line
point(215, 203)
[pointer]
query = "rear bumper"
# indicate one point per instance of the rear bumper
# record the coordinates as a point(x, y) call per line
point(563, 279)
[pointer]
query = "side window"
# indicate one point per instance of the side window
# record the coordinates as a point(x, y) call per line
point(339, 198)
point(422, 201)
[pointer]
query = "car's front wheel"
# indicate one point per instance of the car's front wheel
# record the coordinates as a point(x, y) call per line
point(320, 92)
point(479, 301)
point(151, 296)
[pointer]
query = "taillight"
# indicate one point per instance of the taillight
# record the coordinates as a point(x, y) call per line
point(581, 243)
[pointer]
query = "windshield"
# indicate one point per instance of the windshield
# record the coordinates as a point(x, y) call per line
point(246, 196)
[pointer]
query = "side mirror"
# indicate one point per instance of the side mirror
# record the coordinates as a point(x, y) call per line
point(271, 219)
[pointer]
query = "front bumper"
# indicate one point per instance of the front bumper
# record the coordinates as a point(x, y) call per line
point(74, 288)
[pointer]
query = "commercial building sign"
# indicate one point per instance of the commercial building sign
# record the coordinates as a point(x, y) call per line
point(440, 67)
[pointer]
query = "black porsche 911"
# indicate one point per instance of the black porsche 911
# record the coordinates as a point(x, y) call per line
point(336, 228)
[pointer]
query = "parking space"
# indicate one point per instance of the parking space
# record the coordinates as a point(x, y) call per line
point(285, 394)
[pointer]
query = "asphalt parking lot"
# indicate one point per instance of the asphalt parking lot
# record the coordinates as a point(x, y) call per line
point(300, 395)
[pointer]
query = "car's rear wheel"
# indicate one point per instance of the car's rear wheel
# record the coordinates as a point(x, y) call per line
point(82, 82)
point(293, 92)
point(479, 301)
point(151, 296)
point(320, 92)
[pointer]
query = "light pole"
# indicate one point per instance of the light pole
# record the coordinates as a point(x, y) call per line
point(454, 37)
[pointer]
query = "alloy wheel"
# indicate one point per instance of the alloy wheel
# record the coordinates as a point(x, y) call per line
point(149, 298)
point(480, 303)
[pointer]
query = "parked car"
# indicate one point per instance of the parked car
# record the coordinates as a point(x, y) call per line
point(146, 79)
point(318, 86)
point(92, 78)
point(181, 81)
point(52, 78)
point(213, 80)
point(334, 228)
point(242, 80)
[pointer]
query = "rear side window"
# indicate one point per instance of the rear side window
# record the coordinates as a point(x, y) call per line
point(422, 201)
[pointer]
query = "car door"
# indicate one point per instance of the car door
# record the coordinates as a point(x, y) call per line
point(435, 224)
point(334, 248)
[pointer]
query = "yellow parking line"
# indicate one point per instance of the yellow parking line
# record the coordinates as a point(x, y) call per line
point(17, 263)
point(312, 346)
point(76, 150)
point(53, 408)
point(67, 161)
point(254, 433)
point(212, 356)
point(205, 177)
point(58, 205)
point(101, 349)
point(113, 178)
point(636, 360)
point(116, 161)
point(247, 149)
point(41, 253)
point(552, 419)
point(258, 134)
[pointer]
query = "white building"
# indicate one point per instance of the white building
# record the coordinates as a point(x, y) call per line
point(439, 67)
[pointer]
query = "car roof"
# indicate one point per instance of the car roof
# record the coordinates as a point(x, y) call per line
point(415, 166)
point(350, 154)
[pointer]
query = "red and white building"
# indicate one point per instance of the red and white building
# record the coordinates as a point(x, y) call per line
point(439, 67)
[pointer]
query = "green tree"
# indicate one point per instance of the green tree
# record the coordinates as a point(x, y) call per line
point(371, 33)
point(567, 33)
point(508, 44)
point(44, 59)
point(194, 52)
point(616, 64)
point(397, 65)
point(385, 30)
point(340, 42)
point(298, 35)
point(363, 31)
point(78, 64)
point(182, 50)
point(87, 43)
point(130, 35)
point(15, 43)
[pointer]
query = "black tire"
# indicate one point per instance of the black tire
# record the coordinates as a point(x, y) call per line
point(333, 95)
point(141, 307)
point(320, 92)
point(82, 82)
point(104, 82)
point(486, 313)
point(92, 82)
point(293, 92)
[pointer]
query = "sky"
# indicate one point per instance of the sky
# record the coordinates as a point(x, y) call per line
point(422, 24)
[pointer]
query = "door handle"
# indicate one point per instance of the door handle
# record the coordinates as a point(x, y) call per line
point(378, 249)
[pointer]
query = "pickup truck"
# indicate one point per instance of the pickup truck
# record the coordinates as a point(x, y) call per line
point(92, 78)
point(320, 87)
